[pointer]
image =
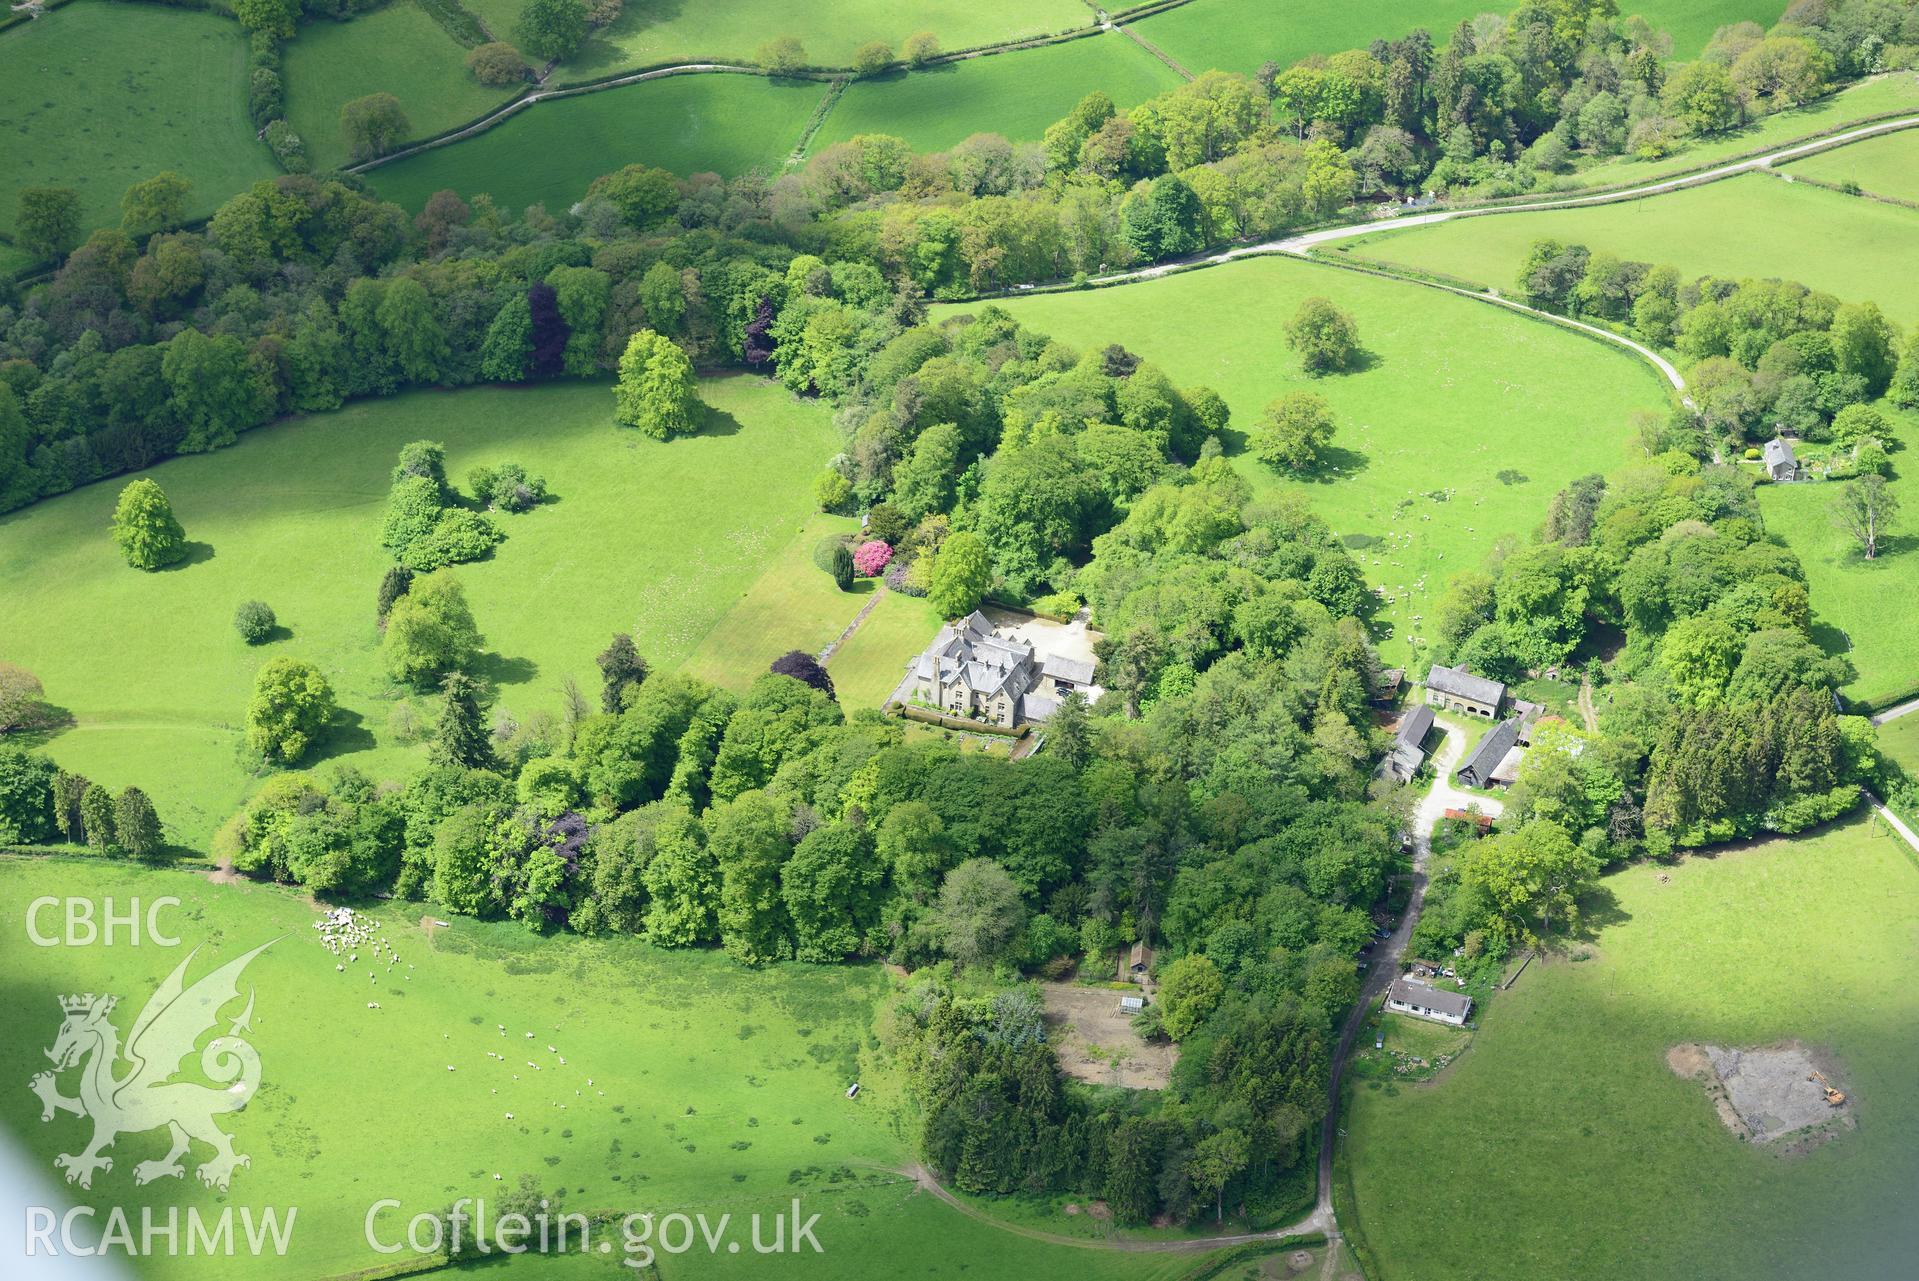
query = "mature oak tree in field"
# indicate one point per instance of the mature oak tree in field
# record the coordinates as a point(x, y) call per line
point(48, 223)
point(1294, 433)
point(291, 707)
point(373, 124)
point(551, 29)
point(1324, 336)
point(152, 203)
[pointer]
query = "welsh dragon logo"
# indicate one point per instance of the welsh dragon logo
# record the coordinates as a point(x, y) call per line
point(142, 1097)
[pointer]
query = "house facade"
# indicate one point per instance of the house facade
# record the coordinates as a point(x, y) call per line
point(1455, 689)
point(970, 670)
point(1424, 1001)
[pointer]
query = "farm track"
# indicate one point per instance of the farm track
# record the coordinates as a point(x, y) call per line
point(1305, 244)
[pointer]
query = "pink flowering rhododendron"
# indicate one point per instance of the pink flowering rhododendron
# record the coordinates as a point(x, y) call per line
point(871, 558)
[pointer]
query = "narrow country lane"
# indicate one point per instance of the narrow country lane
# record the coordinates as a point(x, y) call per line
point(1385, 963)
point(1432, 807)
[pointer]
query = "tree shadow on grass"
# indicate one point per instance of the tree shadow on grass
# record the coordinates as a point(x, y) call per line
point(497, 670)
point(1829, 639)
point(719, 423)
point(1599, 910)
point(47, 722)
point(196, 554)
point(346, 733)
point(1336, 463)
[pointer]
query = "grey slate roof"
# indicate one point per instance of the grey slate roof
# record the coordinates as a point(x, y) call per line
point(1425, 995)
point(989, 664)
point(1452, 680)
point(1075, 670)
point(1414, 726)
point(1778, 453)
point(1492, 749)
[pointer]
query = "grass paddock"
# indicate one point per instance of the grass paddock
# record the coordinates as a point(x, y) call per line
point(655, 539)
point(98, 96)
point(1017, 94)
point(1563, 1145)
point(552, 151)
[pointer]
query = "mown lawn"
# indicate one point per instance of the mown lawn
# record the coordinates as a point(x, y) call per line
point(1885, 166)
point(551, 151)
point(793, 604)
point(870, 665)
point(97, 96)
point(1866, 610)
point(1238, 35)
point(655, 539)
point(1017, 94)
point(1562, 1145)
point(397, 49)
point(1463, 422)
point(653, 32)
point(1755, 225)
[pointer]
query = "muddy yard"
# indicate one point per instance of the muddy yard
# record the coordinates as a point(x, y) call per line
point(1767, 1094)
point(1096, 1043)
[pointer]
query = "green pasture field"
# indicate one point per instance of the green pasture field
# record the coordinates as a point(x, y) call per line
point(1755, 225)
point(1896, 91)
point(1867, 610)
point(1885, 166)
point(691, 1084)
point(1238, 35)
point(1899, 739)
point(1563, 1146)
point(654, 32)
point(1017, 94)
point(97, 96)
point(870, 665)
point(1452, 394)
point(551, 151)
point(397, 49)
point(654, 539)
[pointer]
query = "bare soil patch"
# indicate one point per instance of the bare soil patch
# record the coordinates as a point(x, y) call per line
point(1096, 1043)
point(1770, 1093)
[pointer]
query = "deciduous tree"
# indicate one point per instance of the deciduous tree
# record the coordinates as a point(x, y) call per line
point(1864, 508)
point(144, 527)
point(291, 708)
point(656, 391)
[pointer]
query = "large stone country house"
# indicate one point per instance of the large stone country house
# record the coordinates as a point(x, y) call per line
point(970, 670)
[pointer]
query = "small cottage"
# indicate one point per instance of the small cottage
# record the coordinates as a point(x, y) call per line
point(1424, 1001)
point(1781, 466)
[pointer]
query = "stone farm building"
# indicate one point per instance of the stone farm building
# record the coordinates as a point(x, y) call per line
point(971, 670)
point(1457, 690)
point(1409, 751)
point(1424, 1001)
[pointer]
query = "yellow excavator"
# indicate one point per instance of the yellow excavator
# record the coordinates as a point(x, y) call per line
point(1833, 1097)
